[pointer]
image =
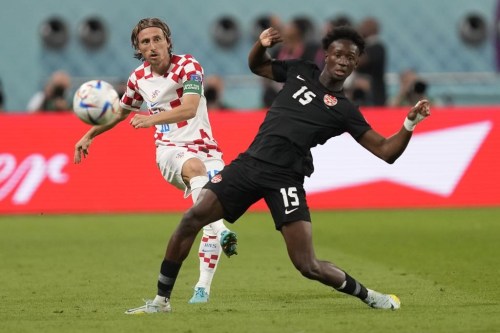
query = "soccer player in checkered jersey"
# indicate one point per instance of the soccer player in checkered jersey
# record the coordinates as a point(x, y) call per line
point(310, 109)
point(187, 154)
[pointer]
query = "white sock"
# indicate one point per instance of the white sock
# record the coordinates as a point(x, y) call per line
point(209, 254)
point(196, 184)
point(218, 227)
point(160, 300)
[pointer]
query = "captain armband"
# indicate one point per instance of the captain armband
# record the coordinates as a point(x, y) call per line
point(192, 87)
point(194, 84)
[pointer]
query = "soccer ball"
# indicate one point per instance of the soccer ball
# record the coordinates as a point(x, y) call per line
point(96, 102)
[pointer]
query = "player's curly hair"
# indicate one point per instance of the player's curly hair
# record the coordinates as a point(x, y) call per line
point(344, 32)
point(150, 22)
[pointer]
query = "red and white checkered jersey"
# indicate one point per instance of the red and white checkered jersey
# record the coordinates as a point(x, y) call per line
point(162, 94)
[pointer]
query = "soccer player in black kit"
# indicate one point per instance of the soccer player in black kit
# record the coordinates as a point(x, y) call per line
point(310, 109)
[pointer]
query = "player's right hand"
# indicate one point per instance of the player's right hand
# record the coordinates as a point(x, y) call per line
point(81, 148)
point(270, 37)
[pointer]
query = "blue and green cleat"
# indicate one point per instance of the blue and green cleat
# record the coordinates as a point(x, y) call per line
point(200, 296)
point(228, 241)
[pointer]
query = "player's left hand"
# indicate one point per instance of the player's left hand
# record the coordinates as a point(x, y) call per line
point(141, 121)
point(421, 110)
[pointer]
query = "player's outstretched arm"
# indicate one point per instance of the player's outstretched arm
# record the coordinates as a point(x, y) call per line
point(389, 149)
point(82, 146)
point(259, 60)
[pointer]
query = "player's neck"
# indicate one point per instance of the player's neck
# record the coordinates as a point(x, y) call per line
point(161, 69)
point(329, 83)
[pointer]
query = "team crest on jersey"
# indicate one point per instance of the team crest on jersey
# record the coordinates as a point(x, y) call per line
point(154, 94)
point(330, 100)
point(217, 178)
point(195, 77)
point(180, 155)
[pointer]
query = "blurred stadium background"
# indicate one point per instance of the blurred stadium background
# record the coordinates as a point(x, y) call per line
point(453, 44)
point(424, 35)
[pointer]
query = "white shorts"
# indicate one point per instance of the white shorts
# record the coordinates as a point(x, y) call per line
point(171, 159)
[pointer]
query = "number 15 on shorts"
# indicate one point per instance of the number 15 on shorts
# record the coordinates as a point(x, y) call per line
point(290, 198)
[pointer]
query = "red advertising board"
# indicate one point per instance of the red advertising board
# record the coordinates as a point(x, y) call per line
point(452, 161)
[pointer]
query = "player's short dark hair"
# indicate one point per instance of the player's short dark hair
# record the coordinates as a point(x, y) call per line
point(344, 32)
point(150, 22)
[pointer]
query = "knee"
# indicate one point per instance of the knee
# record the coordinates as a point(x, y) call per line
point(190, 223)
point(194, 167)
point(308, 268)
point(194, 219)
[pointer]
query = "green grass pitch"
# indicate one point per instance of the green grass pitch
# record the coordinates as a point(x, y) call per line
point(80, 273)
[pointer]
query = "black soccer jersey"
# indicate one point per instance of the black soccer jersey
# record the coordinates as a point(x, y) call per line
point(303, 115)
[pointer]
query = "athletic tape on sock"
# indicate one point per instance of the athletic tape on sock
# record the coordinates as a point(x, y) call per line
point(196, 184)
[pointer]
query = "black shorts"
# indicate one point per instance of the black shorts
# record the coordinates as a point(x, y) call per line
point(246, 180)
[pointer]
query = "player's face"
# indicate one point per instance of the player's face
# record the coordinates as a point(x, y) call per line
point(341, 58)
point(153, 46)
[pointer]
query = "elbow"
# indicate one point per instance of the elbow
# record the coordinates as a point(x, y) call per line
point(190, 113)
point(388, 159)
point(391, 159)
point(122, 116)
point(387, 156)
point(254, 69)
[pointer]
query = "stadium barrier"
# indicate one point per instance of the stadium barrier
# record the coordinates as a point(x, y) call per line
point(452, 161)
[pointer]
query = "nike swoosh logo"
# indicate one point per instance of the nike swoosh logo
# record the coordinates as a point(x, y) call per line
point(300, 78)
point(154, 104)
point(290, 211)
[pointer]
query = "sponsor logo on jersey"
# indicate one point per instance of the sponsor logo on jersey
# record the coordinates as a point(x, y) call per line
point(195, 77)
point(330, 100)
point(300, 78)
point(180, 155)
point(217, 178)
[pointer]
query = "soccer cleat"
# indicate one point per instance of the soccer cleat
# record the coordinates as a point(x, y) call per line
point(200, 296)
point(382, 301)
point(228, 241)
point(151, 307)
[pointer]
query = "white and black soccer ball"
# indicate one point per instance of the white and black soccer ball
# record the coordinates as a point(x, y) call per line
point(96, 102)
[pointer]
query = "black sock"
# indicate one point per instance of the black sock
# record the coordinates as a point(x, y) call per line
point(354, 288)
point(167, 277)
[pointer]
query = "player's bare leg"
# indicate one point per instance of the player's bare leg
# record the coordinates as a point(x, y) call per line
point(178, 248)
point(298, 239)
point(206, 209)
point(210, 244)
point(187, 231)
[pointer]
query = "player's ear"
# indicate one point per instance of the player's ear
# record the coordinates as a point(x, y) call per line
point(169, 43)
point(356, 62)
